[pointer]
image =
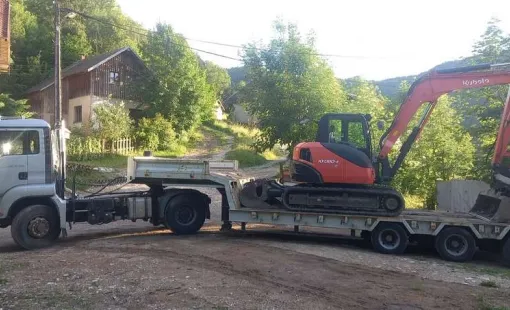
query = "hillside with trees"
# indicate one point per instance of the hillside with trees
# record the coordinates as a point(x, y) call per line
point(285, 83)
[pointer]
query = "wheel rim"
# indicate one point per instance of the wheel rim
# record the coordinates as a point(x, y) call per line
point(391, 204)
point(456, 245)
point(38, 227)
point(185, 215)
point(389, 239)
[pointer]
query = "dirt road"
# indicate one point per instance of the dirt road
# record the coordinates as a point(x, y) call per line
point(127, 265)
point(134, 266)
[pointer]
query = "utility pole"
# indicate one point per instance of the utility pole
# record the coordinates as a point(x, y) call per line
point(58, 103)
point(58, 70)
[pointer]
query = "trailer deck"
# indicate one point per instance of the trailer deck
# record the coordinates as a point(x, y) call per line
point(223, 175)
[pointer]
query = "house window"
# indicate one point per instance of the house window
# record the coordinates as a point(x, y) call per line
point(77, 114)
point(114, 77)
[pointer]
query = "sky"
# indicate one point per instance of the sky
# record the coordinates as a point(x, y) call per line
point(376, 39)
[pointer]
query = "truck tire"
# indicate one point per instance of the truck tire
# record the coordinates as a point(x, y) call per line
point(505, 252)
point(36, 227)
point(185, 214)
point(455, 244)
point(389, 238)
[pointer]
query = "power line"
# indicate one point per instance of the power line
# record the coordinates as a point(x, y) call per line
point(317, 54)
point(146, 34)
point(329, 55)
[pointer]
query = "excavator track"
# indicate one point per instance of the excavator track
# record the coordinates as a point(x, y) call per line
point(367, 200)
point(351, 200)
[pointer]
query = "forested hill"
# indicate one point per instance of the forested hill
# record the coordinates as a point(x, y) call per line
point(388, 87)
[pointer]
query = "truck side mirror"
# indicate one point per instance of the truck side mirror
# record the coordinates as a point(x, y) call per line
point(380, 125)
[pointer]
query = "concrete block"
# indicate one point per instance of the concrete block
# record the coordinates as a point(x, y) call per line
point(458, 196)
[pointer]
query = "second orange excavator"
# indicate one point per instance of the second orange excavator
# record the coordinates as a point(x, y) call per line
point(338, 173)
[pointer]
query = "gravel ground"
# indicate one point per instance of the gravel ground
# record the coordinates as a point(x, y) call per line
point(127, 265)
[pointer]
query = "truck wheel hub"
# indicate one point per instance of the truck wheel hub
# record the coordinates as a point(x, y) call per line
point(185, 215)
point(38, 227)
point(389, 239)
point(456, 245)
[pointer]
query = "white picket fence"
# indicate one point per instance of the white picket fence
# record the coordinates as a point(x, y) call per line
point(122, 146)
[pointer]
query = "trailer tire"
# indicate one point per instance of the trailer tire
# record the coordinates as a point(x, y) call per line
point(36, 227)
point(505, 252)
point(185, 214)
point(455, 244)
point(389, 238)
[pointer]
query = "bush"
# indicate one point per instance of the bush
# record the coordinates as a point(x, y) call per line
point(111, 121)
point(246, 157)
point(83, 148)
point(155, 133)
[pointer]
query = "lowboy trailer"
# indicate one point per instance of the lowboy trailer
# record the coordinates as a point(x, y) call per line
point(30, 203)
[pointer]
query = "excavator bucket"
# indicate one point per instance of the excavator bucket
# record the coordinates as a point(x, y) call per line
point(492, 206)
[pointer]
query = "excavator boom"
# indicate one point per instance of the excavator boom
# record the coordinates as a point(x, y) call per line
point(426, 90)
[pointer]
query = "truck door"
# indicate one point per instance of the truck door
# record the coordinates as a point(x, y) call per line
point(38, 162)
point(13, 160)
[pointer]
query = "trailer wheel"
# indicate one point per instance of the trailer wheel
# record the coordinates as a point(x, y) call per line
point(506, 252)
point(455, 244)
point(389, 238)
point(185, 214)
point(35, 227)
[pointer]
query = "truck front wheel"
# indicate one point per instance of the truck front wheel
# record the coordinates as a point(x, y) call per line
point(35, 227)
point(185, 214)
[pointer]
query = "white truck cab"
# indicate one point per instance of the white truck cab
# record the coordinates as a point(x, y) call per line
point(28, 174)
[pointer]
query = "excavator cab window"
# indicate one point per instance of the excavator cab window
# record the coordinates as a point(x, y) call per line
point(349, 129)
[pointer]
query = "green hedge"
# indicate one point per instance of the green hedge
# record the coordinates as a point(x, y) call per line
point(84, 148)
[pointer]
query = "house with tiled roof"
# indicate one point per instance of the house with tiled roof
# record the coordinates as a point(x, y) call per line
point(109, 77)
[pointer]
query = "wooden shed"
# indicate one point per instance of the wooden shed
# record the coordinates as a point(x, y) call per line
point(108, 77)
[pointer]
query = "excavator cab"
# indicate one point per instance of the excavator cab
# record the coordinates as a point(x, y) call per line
point(347, 129)
point(340, 154)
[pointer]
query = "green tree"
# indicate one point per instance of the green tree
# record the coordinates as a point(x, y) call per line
point(288, 84)
point(178, 88)
point(443, 152)
point(482, 107)
point(32, 38)
point(155, 133)
point(364, 97)
point(111, 121)
point(217, 77)
point(11, 107)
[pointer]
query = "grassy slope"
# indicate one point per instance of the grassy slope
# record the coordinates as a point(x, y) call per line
point(220, 134)
point(242, 151)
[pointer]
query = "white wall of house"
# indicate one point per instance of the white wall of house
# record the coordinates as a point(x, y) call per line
point(240, 115)
point(75, 105)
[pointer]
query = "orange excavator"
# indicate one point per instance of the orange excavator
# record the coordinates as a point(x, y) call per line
point(337, 173)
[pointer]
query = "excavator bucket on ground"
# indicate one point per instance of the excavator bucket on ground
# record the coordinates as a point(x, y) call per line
point(492, 206)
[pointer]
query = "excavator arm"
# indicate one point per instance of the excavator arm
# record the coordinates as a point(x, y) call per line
point(501, 157)
point(426, 90)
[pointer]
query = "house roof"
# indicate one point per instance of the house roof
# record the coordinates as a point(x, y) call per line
point(82, 66)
